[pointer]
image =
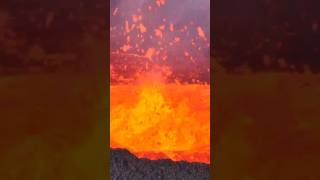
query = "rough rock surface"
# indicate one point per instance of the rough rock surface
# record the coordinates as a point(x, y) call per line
point(125, 166)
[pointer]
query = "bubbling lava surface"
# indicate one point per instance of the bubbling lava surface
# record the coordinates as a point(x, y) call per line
point(160, 92)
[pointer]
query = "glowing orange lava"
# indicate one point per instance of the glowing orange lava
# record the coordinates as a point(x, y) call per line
point(159, 121)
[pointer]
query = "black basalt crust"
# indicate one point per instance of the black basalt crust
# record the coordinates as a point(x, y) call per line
point(125, 166)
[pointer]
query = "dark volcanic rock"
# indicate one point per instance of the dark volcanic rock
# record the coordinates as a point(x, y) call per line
point(125, 166)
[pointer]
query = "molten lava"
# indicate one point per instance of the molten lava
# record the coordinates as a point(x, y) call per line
point(162, 120)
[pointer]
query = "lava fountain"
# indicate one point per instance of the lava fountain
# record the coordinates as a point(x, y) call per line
point(159, 69)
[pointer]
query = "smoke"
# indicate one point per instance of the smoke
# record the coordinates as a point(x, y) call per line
point(175, 10)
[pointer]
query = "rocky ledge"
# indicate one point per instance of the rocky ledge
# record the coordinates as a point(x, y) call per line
point(126, 166)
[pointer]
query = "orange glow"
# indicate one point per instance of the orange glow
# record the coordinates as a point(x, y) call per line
point(127, 27)
point(150, 52)
point(158, 120)
point(125, 48)
point(158, 33)
point(171, 27)
point(162, 27)
point(160, 2)
point(136, 18)
point(142, 28)
point(201, 33)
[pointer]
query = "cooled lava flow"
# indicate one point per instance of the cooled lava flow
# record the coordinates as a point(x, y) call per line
point(160, 92)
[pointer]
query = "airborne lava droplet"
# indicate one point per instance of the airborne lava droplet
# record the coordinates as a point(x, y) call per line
point(160, 2)
point(201, 33)
point(150, 52)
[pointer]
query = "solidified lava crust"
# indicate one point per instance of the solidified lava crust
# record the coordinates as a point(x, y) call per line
point(125, 166)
